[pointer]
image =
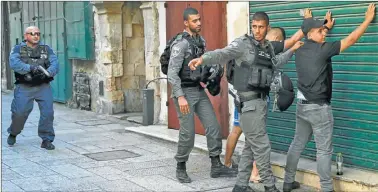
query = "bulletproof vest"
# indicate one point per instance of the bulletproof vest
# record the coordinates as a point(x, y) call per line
point(34, 56)
point(188, 77)
point(246, 74)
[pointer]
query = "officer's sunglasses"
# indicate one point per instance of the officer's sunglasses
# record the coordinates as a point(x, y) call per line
point(34, 33)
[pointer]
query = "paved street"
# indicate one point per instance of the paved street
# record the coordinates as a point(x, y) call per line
point(95, 153)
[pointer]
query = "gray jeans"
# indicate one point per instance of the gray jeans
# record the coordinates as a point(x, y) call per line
point(257, 145)
point(200, 104)
point(318, 120)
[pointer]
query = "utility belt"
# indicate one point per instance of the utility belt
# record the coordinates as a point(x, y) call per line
point(241, 97)
point(318, 102)
point(190, 84)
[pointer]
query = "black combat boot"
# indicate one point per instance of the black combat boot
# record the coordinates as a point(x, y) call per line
point(181, 174)
point(287, 187)
point(220, 170)
point(238, 188)
point(271, 189)
point(11, 140)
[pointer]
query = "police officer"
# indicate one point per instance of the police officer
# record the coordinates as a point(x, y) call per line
point(35, 65)
point(314, 112)
point(274, 34)
point(252, 78)
point(189, 98)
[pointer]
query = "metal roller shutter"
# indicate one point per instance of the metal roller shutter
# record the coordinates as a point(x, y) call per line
point(355, 85)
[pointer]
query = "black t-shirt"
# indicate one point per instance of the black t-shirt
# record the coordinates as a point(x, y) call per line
point(264, 56)
point(314, 69)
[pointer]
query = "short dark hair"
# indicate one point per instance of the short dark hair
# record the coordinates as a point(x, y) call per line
point(283, 32)
point(189, 11)
point(258, 16)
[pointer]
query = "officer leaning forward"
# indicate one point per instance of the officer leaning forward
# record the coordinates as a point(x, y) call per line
point(252, 78)
point(190, 97)
point(35, 65)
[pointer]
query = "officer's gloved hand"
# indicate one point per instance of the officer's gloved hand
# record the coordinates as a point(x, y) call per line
point(34, 69)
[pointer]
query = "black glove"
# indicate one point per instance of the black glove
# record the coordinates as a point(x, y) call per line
point(34, 69)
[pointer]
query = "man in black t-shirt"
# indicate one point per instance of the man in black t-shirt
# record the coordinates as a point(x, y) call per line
point(314, 112)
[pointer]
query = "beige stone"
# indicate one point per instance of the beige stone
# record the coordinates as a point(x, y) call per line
point(117, 70)
point(110, 84)
point(140, 68)
point(113, 7)
point(138, 30)
point(127, 30)
point(117, 96)
point(106, 57)
point(130, 82)
point(135, 43)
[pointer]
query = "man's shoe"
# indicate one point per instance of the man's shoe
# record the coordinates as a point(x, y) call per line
point(287, 187)
point(11, 140)
point(220, 170)
point(271, 189)
point(181, 174)
point(47, 145)
point(238, 188)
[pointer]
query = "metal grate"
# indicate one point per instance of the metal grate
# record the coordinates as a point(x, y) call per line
point(112, 155)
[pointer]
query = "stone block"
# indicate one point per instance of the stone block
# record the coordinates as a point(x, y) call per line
point(136, 56)
point(140, 68)
point(115, 18)
point(135, 43)
point(118, 82)
point(133, 100)
point(117, 96)
point(137, 17)
point(110, 84)
point(130, 82)
point(105, 57)
point(127, 30)
point(117, 70)
point(142, 82)
point(138, 30)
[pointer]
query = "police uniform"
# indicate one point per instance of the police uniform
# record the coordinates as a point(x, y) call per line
point(184, 84)
point(252, 58)
point(30, 86)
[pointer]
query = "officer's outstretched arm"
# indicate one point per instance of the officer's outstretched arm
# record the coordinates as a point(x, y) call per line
point(293, 39)
point(175, 64)
point(15, 61)
point(221, 56)
point(283, 58)
point(54, 67)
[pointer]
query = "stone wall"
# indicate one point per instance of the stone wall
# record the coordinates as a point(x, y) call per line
point(134, 77)
point(118, 70)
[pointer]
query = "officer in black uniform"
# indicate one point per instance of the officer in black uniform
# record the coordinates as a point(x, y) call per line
point(253, 71)
point(189, 98)
point(35, 65)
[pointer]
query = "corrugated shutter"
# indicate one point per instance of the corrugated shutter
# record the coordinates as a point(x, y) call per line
point(355, 85)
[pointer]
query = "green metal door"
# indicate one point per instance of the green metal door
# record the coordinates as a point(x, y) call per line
point(355, 85)
point(49, 17)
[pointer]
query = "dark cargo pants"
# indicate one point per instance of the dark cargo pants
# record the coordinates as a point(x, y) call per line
point(200, 104)
point(257, 144)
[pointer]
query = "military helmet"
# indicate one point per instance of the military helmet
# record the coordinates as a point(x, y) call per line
point(212, 75)
point(285, 91)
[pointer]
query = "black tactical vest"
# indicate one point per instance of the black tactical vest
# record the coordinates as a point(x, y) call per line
point(188, 77)
point(246, 74)
point(34, 56)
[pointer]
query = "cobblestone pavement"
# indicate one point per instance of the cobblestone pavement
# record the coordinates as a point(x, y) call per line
point(95, 153)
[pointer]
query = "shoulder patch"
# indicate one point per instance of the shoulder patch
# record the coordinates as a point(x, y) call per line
point(175, 51)
point(233, 44)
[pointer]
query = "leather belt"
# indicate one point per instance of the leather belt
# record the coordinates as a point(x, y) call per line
point(321, 102)
point(247, 96)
